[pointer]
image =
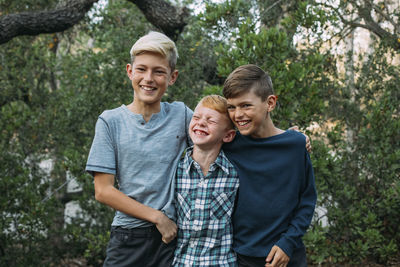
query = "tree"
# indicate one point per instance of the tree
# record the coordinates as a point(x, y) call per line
point(359, 185)
point(48, 111)
point(381, 18)
point(53, 87)
point(170, 19)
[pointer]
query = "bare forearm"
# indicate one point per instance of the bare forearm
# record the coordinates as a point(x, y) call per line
point(106, 193)
point(119, 201)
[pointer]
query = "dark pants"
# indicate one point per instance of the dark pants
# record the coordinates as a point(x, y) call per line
point(141, 247)
point(298, 259)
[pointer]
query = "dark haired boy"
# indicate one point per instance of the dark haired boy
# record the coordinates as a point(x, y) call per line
point(277, 194)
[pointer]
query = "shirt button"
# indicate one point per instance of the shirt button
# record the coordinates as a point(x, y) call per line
point(142, 123)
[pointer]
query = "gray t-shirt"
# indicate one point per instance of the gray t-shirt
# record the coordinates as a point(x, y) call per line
point(142, 156)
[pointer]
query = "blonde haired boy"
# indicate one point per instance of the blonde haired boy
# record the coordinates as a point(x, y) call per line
point(139, 145)
point(206, 185)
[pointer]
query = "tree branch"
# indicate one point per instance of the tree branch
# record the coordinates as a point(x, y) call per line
point(49, 21)
point(170, 19)
point(380, 12)
point(373, 26)
point(365, 13)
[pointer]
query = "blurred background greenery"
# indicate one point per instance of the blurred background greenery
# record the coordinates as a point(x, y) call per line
point(335, 66)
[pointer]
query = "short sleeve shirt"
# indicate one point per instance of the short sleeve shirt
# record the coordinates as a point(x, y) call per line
point(142, 156)
point(204, 207)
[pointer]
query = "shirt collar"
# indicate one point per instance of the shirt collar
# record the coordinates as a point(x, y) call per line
point(221, 161)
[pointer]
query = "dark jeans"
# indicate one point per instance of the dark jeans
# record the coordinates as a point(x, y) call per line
point(141, 247)
point(298, 259)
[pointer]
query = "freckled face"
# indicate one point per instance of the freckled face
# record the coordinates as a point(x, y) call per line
point(208, 127)
point(150, 75)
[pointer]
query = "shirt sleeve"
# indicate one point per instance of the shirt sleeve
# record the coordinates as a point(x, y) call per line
point(303, 213)
point(188, 118)
point(102, 153)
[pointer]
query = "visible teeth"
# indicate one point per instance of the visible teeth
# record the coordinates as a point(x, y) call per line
point(148, 88)
point(199, 132)
point(241, 123)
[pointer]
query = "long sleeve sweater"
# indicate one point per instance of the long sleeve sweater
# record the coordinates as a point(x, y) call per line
point(277, 193)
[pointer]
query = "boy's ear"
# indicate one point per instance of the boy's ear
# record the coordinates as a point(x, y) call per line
point(129, 71)
point(271, 101)
point(229, 136)
point(174, 76)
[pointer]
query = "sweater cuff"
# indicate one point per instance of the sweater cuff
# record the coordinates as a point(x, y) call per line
point(285, 246)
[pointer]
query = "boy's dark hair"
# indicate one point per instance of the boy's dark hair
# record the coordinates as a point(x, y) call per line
point(248, 78)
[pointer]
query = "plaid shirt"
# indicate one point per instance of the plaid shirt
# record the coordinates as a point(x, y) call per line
point(204, 207)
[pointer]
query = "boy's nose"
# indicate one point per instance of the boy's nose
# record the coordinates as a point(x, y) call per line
point(148, 76)
point(202, 122)
point(238, 113)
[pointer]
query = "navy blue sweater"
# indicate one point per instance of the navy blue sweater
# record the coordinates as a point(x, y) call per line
point(277, 194)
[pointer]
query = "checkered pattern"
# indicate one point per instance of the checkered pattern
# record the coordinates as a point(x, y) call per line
point(204, 207)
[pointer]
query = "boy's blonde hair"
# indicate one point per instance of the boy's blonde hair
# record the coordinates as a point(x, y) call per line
point(217, 103)
point(156, 42)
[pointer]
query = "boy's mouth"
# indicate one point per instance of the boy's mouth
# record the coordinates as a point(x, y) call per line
point(200, 132)
point(242, 123)
point(147, 88)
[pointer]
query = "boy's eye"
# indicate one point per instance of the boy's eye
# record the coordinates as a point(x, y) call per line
point(140, 69)
point(160, 72)
point(231, 107)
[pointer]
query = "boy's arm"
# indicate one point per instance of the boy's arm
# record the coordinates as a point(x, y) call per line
point(308, 143)
point(106, 193)
point(303, 213)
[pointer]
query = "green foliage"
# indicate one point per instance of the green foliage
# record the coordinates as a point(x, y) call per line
point(360, 190)
point(53, 87)
point(357, 179)
point(297, 76)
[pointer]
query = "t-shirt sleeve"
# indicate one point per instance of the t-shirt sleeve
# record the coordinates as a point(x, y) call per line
point(102, 153)
point(189, 114)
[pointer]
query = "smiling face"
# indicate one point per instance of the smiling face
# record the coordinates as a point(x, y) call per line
point(210, 128)
point(250, 114)
point(150, 75)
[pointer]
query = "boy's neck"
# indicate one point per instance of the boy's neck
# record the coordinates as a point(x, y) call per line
point(205, 156)
point(268, 129)
point(144, 109)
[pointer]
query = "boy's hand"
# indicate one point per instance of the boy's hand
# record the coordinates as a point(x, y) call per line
point(308, 143)
point(167, 228)
point(277, 258)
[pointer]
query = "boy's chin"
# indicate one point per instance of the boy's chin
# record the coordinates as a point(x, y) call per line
point(245, 132)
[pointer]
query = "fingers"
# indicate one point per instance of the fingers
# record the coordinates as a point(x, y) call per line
point(167, 229)
point(308, 145)
point(169, 236)
point(270, 256)
point(278, 258)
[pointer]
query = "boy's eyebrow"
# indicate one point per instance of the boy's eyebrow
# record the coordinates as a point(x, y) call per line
point(155, 67)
